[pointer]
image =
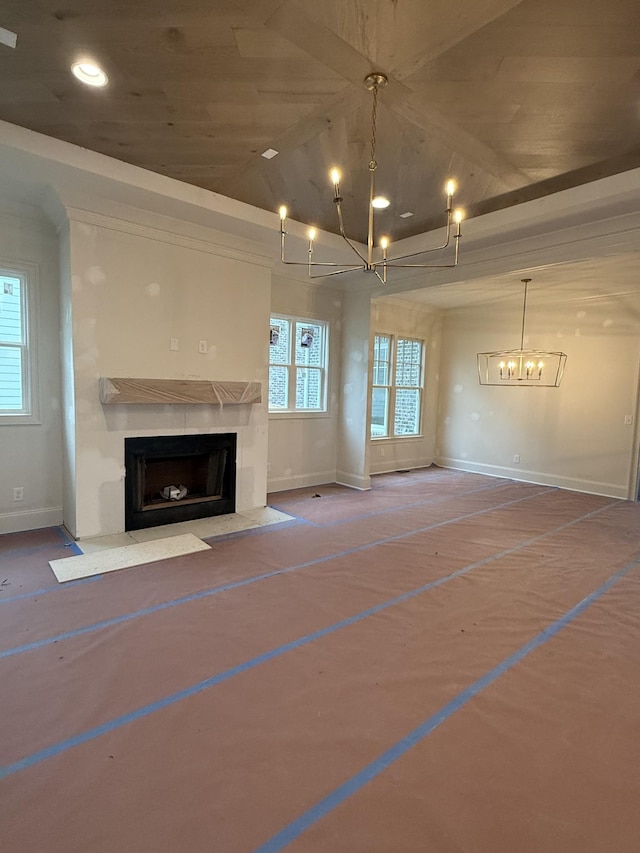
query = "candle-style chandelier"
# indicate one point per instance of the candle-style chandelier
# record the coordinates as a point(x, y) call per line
point(376, 259)
point(528, 367)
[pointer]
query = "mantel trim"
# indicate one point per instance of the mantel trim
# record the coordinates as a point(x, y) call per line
point(177, 392)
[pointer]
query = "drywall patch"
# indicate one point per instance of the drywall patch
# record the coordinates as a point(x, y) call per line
point(581, 315)
point(475, 416)
point(152, 289)
point(607, 323)
point(457, 389)
point(95, 275)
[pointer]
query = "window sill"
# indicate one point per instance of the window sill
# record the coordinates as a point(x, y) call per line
point(296, 414)
point(19, 420)
point(402, 438)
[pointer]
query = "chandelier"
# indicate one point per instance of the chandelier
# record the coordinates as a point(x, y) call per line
point(528, 367)
point(376, 259)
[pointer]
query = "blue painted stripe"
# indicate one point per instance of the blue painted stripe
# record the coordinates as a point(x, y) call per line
point(47, 589)
point(71, 544)
point(196, 596)
point(252, 663)
point(387, 758)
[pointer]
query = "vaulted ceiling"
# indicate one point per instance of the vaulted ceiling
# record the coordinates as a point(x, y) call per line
point(515, 98)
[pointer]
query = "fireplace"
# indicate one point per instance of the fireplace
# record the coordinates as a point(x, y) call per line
point(178, 478)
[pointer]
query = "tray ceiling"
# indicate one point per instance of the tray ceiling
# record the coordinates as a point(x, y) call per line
point(515, 99)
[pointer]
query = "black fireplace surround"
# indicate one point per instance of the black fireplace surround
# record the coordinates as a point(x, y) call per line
point(204, 465)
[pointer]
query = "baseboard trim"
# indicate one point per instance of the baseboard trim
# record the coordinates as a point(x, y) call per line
point(399, 465)
point(353, 481)
point(31, 519)
point(540, 478)
point(300, 481)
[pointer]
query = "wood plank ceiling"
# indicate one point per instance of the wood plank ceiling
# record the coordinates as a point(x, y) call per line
point(515, 99)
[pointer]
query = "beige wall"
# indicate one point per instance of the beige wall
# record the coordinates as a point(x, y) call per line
point(415, 321)
point(30, 454)
point(302, 448)
point(573, 436)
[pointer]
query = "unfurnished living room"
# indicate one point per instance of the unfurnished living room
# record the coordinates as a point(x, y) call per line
point(319, 365)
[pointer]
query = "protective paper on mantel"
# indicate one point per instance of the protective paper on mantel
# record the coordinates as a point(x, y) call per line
point(178, 391)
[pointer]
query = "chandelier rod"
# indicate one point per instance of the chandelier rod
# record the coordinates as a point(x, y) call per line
point(525, 281)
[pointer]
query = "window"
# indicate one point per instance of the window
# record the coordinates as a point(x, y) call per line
point(297, 365)
point(16, 356)
point(396, 392)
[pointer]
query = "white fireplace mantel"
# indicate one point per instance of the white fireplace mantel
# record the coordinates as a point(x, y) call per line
point(177, 392)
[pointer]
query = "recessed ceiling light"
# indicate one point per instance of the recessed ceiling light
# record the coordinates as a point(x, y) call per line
point(406, 215)
point(269, 153)
point(380, 202)
point(89, 73)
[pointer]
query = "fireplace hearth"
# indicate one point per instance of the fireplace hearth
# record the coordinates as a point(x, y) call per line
point(179, 478)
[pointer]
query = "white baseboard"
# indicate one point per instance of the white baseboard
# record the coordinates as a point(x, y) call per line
point(32, 519)
point(353, 481)
point(541, 478)
point(300, 481)
point(385, 467)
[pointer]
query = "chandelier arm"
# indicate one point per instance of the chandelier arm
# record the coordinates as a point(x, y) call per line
point(347, 267)
point(353, 268)
point(422, 266)
point(383, 277)
point(439, 248)
point(344, 236)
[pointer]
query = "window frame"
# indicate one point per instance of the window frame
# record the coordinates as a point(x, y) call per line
point(28, 277)
point(392, 386)
point(291, 368)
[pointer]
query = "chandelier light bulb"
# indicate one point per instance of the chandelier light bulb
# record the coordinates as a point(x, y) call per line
point(335, 176)
point(283, 213)
point(311, 234)
point(458, 215)
point(450, 187)
point(384, 242)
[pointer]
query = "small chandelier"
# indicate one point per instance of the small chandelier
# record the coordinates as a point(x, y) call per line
point(528, 367)
point(375, 260)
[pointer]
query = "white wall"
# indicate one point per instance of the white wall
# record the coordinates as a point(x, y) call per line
point(573, 436)
point(353, 445)
point(302, 448)
point(30, 455)
point(393, 317)
point(134, 287)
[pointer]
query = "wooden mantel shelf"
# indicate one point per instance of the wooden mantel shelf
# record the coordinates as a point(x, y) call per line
point(178, 392)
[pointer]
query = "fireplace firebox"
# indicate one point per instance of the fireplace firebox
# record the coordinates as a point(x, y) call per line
point(178, 478)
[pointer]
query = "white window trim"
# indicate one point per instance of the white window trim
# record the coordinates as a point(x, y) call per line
point(28, 273)
point(414, 436)
point(294, 413)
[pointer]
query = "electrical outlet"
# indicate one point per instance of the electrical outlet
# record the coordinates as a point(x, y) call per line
point(203, 347)
point(628, 419)
point(516, 458)
point(18, 493)
point(174, 345)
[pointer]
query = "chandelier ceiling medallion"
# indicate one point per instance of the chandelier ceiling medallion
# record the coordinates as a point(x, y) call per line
point(528, 367)
point(375, 260)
